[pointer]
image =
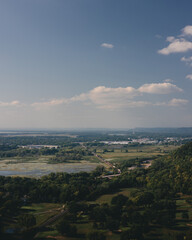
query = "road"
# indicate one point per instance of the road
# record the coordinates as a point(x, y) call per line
point(102, 160)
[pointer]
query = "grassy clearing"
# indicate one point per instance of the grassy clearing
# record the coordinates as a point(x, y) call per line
point(92, 159)
point(106, 198)
point(42, 211)
point(84, 228)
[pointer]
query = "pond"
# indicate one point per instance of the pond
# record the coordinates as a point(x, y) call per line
point(38, 169)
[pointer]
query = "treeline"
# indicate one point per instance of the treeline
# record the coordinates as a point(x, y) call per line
point(25, 152)
point(62, 154)
point(64, 187)
point(39, 140)
point(66, 155)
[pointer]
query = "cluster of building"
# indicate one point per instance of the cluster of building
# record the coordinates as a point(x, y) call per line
point(139, 140)
point(148, 141)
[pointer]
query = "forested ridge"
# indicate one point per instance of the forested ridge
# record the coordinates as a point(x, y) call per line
point(173, 172)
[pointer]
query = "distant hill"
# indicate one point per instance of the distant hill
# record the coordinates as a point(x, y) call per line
point(181, 131)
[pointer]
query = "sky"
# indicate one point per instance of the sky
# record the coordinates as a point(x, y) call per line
point(95, 63)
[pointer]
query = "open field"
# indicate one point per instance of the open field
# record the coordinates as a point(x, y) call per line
point(146, 151)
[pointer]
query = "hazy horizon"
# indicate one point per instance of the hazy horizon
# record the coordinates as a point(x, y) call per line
point(87, 129)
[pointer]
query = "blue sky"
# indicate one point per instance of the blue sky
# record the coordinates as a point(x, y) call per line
point(102, 63)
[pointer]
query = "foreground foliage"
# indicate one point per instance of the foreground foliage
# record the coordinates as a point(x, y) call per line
point(150, 209)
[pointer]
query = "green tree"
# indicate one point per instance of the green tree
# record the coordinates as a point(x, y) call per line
point(96, 236)
point(27, 220)
point(64, 228)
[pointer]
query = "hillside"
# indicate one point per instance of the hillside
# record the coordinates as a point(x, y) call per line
point(173, 172)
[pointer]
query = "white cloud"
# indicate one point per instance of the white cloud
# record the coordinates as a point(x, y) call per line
point(101, 93)
point(176, 102)
point(178, 45)
point(189, 76)
point(159, 88)
point(107, 45)
point(187, 30)
point(114, 98)
point(111, 98)
point(9, 104)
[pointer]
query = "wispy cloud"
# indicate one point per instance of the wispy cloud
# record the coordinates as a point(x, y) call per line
point(53, 102)
point(115, 98)
point(189, 76)
point(187, 60)
point(9, 104)
point(107, 45)
point(60, 101)
point(176, 102)
point(168, 80)
point(158, 36)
